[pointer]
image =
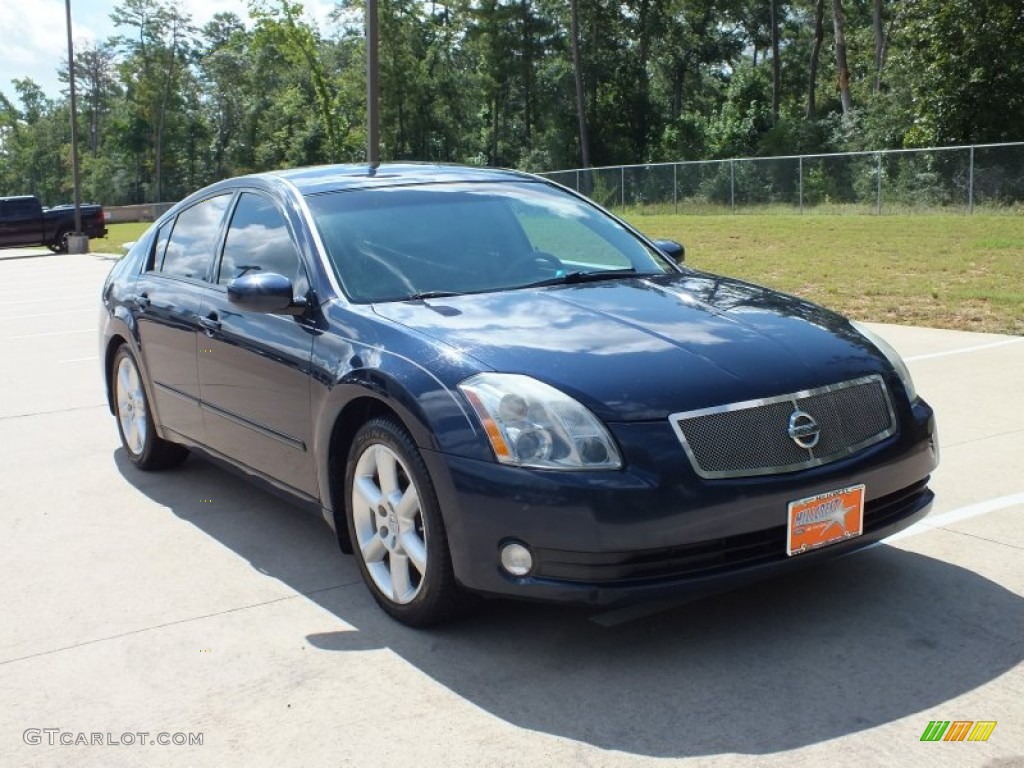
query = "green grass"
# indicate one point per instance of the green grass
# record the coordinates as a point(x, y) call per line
point(867, 208)
point(118, 235)
point(943, 271)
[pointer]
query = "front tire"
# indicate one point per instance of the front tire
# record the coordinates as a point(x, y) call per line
point(145, 449)
point(396, 529)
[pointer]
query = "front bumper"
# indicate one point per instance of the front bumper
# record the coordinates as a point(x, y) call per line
point(655, 529)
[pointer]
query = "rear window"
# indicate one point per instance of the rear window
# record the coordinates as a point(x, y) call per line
point(192, 241)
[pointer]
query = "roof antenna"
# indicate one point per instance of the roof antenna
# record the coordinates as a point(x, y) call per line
point(372, 89)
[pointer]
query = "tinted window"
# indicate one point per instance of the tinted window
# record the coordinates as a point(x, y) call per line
point(574, 242)
point(258, 241)
point(194, 238)
point(163, 235)
point(392, 243)
point(21, 209)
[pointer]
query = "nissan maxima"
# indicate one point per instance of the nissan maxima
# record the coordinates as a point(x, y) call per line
point(488, 386)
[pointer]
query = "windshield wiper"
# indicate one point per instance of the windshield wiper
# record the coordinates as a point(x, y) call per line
point(431, 295)
point(582, 276)
point(566, 278)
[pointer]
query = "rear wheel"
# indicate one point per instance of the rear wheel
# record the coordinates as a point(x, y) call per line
point(396, 528)
point(60, 241)
point(144, 447)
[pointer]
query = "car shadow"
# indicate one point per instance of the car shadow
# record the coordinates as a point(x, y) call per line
point(832, 650)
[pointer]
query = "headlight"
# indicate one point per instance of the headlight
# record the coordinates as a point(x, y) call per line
point(891, 355)
point(531, 424)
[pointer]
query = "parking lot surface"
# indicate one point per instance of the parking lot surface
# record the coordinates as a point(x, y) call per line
point(189, 603)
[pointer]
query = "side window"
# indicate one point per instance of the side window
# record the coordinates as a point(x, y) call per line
point(162, 236)
point(194, 238)
point(24, 209)
point(258, 241)
point(19, 210)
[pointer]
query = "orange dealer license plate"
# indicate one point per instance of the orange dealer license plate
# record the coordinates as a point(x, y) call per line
point(825, 519)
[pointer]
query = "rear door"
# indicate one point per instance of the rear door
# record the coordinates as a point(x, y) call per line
point(254, 368)
point(168, 297)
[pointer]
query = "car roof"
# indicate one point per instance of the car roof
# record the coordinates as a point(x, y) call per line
point(332, 178)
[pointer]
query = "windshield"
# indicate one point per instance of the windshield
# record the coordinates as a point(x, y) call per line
point(400, 243)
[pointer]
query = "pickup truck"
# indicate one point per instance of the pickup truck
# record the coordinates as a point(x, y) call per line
point(23, 221)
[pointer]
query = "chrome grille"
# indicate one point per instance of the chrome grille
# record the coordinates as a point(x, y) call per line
point(752, 438)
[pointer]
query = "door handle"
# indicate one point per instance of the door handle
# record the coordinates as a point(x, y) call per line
point(210, 323)
point(142, 301)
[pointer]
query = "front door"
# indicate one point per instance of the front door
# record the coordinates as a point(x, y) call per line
point(254, 367)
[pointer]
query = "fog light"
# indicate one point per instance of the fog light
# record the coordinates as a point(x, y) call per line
point(516, 559)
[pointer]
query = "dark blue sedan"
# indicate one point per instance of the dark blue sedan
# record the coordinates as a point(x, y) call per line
point(486, 385)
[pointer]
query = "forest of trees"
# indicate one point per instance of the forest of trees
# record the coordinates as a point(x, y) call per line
point(166, 107)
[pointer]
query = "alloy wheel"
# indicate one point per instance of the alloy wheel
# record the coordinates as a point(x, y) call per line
point(389, 528)
point(131, 406)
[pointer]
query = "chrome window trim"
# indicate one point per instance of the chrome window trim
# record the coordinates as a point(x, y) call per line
point(792, 397)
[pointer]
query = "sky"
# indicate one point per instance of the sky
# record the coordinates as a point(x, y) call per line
point(33, 33)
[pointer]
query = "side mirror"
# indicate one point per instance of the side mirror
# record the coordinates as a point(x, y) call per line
point(265, 292)
point(672, 249)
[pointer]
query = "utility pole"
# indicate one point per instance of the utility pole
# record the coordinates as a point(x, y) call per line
point(77, 242)
point(372, 89)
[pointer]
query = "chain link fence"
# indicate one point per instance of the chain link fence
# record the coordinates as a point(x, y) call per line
point(948, 179)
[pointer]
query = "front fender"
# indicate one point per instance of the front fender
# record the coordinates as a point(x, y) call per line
point(356, 379)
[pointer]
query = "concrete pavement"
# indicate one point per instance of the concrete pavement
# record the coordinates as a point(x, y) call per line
point(188, 602)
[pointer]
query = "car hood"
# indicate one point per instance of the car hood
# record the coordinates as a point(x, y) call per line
point(642, 348)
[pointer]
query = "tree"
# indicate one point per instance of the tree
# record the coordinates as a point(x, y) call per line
point(879, 33)
point(98, 92)
point(96, 82)
point(227, 90)
point(581, 97)
point(960, 65)
point(776, 62)
point(841, 63)
point(154, 69)
point(35, 144)
point(280, 26)
point(812, 68)
point(535, 84)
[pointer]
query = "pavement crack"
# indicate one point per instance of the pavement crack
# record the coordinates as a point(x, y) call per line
point(180, 621)
point(49, 413)
point(981, 538)
point(980, 439)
